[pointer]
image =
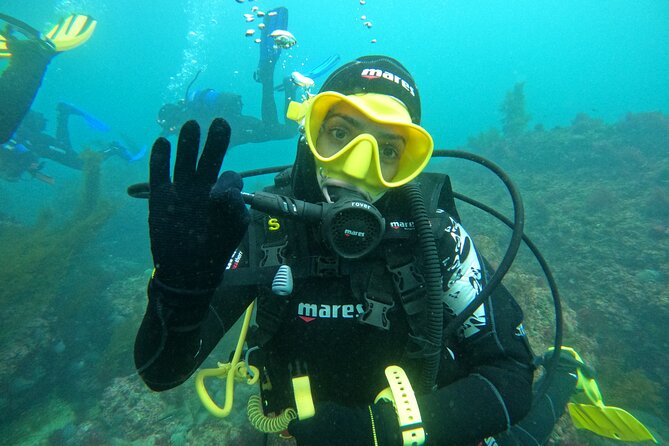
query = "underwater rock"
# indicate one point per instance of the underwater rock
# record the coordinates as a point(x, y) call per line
point(128, 403)
point(30, 341)
point(648, 275)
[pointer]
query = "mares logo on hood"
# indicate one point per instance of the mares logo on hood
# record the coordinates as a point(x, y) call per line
point(375, 73)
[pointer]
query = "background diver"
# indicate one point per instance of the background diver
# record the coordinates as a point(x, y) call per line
point(207, 104)
point(348, 314)
point(30, 145)
point(30, 52)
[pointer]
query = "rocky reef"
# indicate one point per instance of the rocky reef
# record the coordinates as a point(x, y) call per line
point(597, 203)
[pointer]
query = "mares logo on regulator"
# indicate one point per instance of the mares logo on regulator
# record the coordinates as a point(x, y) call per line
point(349, 232)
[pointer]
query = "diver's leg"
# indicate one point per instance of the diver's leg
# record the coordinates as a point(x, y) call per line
point(62, 126)
point(269, 56)
point(537, 426)
point(268, 104)
point(20, 82)
point(289, 127)
point(69, 159)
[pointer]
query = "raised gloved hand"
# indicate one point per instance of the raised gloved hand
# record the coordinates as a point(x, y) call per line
point(334, 425)
point(195, 221)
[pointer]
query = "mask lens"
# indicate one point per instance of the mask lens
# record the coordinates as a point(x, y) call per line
point(335, 124)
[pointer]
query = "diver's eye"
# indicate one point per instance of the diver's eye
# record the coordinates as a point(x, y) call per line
point(339, 134)
point(390, 153)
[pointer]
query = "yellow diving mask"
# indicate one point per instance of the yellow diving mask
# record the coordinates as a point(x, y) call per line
point(366, 141)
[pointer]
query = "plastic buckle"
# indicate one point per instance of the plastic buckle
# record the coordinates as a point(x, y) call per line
point(410, 285)
point(326, 266)
point(274, 255)
point(376, 313)
point(406, 277)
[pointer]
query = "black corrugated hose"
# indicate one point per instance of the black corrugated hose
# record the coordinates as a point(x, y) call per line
point(432, 275)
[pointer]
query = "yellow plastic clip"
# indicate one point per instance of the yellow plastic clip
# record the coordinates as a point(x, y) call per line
point(304, 403)
point(296, 111)
point(4, 50)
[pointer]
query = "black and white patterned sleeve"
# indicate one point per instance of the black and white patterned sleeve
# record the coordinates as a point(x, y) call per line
point(462, 275)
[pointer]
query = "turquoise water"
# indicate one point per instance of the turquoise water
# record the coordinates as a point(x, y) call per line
point(602, 58)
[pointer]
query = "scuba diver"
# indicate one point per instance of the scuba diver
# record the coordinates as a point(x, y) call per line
point(374, 321)
point(29, 58)
point(30, 144)
point(205, 105)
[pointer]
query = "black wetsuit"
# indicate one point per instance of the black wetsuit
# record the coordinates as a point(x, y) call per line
point(485, 378)
point(20, 82)
point(205, 105)
point(58, 148)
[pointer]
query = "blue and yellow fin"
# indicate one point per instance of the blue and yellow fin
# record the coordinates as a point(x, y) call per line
point(71, 32)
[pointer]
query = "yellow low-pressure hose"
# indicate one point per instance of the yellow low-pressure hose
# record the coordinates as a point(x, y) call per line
point(264, 423)
point(234, 370)
point(240, 371)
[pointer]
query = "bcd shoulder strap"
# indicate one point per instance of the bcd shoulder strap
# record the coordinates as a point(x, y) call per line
point(438, 193)
point(401, 262)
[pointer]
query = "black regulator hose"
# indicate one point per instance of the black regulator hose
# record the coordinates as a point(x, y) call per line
point(142, 190)
point(552, 284)
point(432, 275)
point(514, 243)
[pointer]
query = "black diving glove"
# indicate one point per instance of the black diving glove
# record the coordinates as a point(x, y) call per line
point(195, 221)
point(336, 425)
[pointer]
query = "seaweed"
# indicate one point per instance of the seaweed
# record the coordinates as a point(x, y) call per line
point(514, 116)
point(37, 257)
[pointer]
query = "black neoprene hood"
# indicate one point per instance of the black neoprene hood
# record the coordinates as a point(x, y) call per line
point(376, 74)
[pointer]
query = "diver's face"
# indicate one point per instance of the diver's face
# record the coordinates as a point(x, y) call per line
point(344, 122)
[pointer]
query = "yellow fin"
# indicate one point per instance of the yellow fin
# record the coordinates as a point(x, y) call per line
point(72, 31)
point(4, 51)
point(610, 422)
